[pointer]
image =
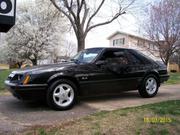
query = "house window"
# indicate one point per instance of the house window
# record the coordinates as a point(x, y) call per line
point(151, 46)
point(119, 42)
point(141, 43)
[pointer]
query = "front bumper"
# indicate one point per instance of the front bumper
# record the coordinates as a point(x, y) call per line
point(27, 92)
point(164, 78)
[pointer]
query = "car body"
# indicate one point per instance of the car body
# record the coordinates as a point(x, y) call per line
point(93, 71)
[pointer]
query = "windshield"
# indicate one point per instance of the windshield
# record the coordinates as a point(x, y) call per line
point(87, 56)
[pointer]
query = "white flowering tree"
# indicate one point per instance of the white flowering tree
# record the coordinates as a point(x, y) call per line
point(38, 31)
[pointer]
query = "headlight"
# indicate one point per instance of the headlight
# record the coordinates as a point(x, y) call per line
point(26, 79)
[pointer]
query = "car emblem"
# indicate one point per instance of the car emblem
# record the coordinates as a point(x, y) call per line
point(84, 78)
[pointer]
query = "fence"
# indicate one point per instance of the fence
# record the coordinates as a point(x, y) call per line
point(174, 67)
point(4, 66)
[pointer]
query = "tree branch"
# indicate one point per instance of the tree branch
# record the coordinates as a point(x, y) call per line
point(94, 14)
point(86, 11)
point(66, 14)
point(106, 22)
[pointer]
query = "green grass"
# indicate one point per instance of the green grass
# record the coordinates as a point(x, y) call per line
point(3, 76)
point(174, 78)
point(164, 108)
point(125, 121)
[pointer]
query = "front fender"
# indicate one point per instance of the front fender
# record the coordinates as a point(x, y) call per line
point(58, 75)
point(63, 75)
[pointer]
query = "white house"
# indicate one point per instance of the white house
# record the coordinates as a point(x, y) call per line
point(126, 40)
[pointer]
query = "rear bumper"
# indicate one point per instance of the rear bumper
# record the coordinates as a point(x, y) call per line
point(27, 92)
point(164, 78)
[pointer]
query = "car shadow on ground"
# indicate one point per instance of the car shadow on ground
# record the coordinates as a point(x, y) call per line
point(118, 96)
point(130, 95)
point(39, 105)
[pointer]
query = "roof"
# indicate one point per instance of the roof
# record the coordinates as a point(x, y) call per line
point(127, 34)
point(110, 48)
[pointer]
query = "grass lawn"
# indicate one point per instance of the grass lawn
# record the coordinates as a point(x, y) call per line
point(174, 78)
point(3, 75)
point(153, 119)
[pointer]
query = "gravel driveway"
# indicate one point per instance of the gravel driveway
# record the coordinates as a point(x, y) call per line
point(16, 116)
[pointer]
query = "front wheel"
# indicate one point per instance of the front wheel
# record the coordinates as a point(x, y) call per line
point(61, 95)
point(150, 87)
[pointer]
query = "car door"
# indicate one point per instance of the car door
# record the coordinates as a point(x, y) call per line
point(107, 77)
point(121, 71)
point(134, 72)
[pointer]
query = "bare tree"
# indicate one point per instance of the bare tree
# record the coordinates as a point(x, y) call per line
point(34, 36)
point(81, 15)
point(163, 27)
point(176, 57)
point(69, 49)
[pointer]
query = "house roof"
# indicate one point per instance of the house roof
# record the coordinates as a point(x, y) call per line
point(127, 34)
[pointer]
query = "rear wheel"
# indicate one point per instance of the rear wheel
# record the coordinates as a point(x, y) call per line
point(149, 87)
point(61, 95)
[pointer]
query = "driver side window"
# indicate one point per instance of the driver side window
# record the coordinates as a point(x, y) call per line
point(116, 57)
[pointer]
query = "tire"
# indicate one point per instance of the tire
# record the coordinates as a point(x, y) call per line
point(62, 95)
point(149, 87)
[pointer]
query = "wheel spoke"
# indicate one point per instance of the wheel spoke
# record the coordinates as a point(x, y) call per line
point(148, 85)
point(56, 94)
point(62, 89)
point(67, 99)
point(151, 82)
point(61, 101)
point(68, 90)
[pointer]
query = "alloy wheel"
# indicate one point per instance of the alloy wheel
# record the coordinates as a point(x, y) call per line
point(63, 95)
point(151, 85)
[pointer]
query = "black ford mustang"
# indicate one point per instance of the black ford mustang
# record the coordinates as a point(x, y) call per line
point(92, 71)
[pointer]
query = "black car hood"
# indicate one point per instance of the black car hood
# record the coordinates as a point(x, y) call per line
point(45, 68)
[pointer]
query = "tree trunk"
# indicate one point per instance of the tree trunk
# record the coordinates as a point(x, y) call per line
point(34, 61)
point(80, 41)
point(166, 62)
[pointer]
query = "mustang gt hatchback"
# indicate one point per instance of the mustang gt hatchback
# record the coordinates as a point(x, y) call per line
point(93, 71)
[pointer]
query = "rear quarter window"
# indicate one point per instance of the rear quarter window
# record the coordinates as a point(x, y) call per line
point(143, 58)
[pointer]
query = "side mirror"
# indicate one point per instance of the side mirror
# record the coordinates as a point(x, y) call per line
point(63, 60)
point(100, 62)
